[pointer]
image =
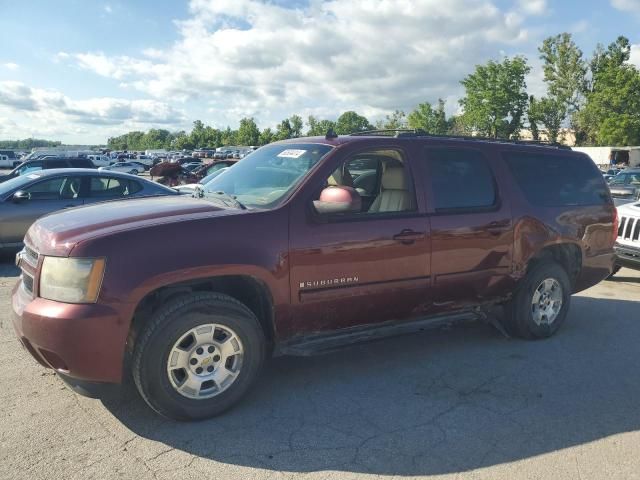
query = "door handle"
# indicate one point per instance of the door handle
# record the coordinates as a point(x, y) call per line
point(408, 236)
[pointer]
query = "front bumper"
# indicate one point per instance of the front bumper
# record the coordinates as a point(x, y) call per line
point(627, 256)
point(82, 342)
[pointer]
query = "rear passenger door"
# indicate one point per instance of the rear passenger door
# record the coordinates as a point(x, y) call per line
point(471, 226)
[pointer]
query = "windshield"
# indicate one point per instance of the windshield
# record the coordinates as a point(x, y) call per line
point(210, 177)
point(266, 176)
point(16, 183)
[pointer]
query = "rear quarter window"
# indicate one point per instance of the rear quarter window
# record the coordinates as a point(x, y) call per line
point(557, 180)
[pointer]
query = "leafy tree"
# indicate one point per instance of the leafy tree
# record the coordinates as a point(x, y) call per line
point(396, 120)
point(181, 141)
point(431, 120)
point(549, 112)
point(319, 127)
point(564, 69)
point(266, 136)
point(248, 133)
point(496, 98)
point(28, 143)
point(350, 122)
point(611, 115)
point(616, 54)
point(534, 118)
point(284, 130)
point(296, 123)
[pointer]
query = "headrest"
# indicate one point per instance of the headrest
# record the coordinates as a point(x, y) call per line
point(394, 178)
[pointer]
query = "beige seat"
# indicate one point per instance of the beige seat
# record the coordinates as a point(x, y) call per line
point(395, 196)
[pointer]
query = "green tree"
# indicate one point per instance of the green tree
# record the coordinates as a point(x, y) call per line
point(611, 115)
point(284, 130)
point(396, 120)
point(534, 118)
point(549, 112)
point(266, 136)
point(181, 141)
point(197, 135)
point(565, 71)
point(350, 122)
point(248, 133)
point(431, 120)
point(496, 98)
point(319, 127)
point(296, 123)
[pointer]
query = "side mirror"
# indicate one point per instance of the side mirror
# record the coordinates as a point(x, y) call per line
point(21, 196)
point(338, 199)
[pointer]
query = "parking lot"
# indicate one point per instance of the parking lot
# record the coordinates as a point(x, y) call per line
point(464, 402)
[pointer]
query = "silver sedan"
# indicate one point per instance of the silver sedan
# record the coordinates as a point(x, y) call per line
point(25, 198)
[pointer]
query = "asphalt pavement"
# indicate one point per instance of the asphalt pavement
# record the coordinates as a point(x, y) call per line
point(464, 402)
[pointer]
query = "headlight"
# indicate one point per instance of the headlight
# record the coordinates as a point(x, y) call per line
point(71, 280)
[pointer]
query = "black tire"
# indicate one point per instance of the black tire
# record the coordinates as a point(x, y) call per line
point(134, 172)
point(518, 316)
point(149, 364)
point(616, 269)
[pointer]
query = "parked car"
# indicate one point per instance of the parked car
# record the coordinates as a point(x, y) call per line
point(25, 198)
point(202, 184)
point(292, 253)
point(628, 242)
point(100, 160)
point(9, 159)
point(208, 169)
point(626, 185)
point(31, 166)
point(190, 166)
point(126, 167)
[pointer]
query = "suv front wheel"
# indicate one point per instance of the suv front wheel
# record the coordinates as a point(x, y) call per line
point(197, 356)
point(540, 303)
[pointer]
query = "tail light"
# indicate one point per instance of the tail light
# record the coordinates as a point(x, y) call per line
point(616, 224)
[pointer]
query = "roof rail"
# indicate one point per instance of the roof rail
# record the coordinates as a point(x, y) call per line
point(406, 132)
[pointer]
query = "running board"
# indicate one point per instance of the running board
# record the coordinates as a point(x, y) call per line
point(325, 342)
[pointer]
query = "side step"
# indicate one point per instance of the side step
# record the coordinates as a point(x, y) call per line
point(325, 342)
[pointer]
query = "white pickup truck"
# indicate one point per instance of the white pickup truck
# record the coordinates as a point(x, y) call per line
point(628, 242)
point(7, 162)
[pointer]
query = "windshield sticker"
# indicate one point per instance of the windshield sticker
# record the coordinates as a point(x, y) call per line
point(291, 153)
point(33, 176)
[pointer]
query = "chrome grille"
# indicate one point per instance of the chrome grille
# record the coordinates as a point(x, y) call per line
point(629, 229)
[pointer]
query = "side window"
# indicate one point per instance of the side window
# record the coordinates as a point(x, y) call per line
point(59, 188)
point(558, 179)
point(56, 164)
point(379, 181)
point(105, 187)
point(134, 187)
point(80, 163)
point(461, 179)
point(30, 167)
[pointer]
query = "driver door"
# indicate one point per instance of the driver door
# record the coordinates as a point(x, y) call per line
point(44, 197)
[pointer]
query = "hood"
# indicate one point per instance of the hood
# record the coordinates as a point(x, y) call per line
point(58, 233)
point(629, 209)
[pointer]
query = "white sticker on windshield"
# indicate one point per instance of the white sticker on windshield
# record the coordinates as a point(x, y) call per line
point(292, 153)
point(33, 176)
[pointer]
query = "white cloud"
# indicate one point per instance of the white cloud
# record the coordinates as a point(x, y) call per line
point(18, 97)
point(632, 6)
point(533, 7)
point(108, 8)
point(251, 57)
point(11, 66)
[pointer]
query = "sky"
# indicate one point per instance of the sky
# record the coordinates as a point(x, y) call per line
point(80, 71)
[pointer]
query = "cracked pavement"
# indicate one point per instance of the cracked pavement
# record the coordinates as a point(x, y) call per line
point(458, 402)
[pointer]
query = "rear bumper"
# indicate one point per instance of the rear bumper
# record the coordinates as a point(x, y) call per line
point(594, 269)
point(627, 256)
point(81, 342)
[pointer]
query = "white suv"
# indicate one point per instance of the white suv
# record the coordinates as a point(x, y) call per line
point(628, 242)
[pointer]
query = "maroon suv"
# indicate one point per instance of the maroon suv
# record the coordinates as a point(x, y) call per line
point(306, 245)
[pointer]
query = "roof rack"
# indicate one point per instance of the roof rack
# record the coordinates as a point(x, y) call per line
point(406, 132)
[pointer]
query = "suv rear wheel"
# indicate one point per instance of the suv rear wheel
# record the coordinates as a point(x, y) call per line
point(197, 356)
point(540, 303)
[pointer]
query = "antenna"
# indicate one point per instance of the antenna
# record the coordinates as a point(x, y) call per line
point(331, 134)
